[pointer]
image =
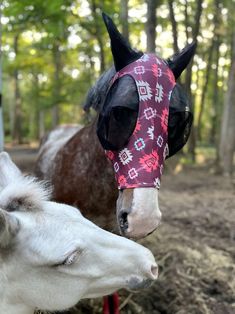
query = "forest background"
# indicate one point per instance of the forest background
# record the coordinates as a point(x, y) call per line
point(53, 52)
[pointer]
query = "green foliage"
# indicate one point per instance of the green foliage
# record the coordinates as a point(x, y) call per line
point(61, 43)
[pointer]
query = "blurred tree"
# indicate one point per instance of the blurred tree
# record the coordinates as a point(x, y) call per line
point(17, 135)
point(214, 43)
point(215, 121)
point(57, 83)
point(1, 113)
point(195, 32)
point(124, 18)
point(227, 138)
point(173, 26)
point(98, 34)
point(151, 24)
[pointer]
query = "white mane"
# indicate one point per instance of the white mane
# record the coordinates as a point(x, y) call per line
point(25, 190)
point(52, 143)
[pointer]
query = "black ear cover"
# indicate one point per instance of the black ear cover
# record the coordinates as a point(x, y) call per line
point(179, 61)
point(179, 121)
point(117, 120)
point(123, 53)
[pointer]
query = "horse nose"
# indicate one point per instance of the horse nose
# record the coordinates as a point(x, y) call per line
point(134, 225)
point(154, 271)
point(147, 280)
point(123, 220)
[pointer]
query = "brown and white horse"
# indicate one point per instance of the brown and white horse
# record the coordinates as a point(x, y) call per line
point(79, 170)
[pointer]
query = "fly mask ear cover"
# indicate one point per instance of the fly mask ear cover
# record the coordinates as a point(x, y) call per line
point(140, 162)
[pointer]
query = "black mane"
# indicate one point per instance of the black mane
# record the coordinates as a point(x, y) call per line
point(97, 93)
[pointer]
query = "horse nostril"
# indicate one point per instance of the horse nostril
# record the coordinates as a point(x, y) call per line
point(123, 222)
point(154, 271)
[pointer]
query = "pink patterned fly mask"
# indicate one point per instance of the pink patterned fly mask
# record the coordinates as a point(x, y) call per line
point(140, 162)
point(144, 118)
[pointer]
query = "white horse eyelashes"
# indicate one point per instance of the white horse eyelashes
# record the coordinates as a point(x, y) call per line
point(72, 258)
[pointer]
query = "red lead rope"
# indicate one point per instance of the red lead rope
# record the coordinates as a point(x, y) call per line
point(111, 304)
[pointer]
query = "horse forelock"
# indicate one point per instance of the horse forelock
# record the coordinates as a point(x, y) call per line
point(96, 95)
point(26, 194)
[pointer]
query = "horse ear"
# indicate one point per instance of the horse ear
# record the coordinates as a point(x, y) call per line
point(179, 61)
point(8, 170)
point(122, 52)
point(9, 226)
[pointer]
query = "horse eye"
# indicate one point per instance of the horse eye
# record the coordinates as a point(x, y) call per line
point(71, 259)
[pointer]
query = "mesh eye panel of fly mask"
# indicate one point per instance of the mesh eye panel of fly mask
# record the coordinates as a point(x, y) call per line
point(140, 162)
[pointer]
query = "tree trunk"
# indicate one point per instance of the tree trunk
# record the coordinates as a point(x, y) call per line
point(227, 138)
point(36, 107)
point(17, 132)
point(188, 81)
point(173, 26)
point(124, 18)
point(186, 20)
point(55, 116)
point(212, 49)
point(204, 91)
point(11, 109)
point(1, 113)
point(57, 84)
point(31, 125)
point(1, 127)
point(151, 24)
point(41, 124)
point(98, 35)
point(215, 121)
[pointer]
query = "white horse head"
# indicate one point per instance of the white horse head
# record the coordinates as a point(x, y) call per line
point(51, 256)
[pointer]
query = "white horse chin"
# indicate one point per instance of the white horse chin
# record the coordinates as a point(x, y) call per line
point(138, 212)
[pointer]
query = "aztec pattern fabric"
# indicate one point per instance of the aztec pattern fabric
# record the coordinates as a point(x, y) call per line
point(140, 162)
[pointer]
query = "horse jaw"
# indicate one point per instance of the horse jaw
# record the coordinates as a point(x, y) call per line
point(138, 212)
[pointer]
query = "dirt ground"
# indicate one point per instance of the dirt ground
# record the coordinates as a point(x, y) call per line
point(194, 246)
